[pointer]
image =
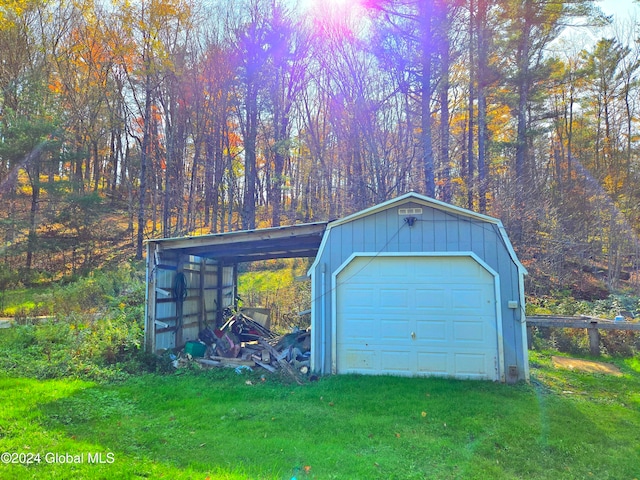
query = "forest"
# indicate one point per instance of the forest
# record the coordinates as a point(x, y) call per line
point(126, 120)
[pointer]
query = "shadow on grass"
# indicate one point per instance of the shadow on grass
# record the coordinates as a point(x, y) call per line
point(223, 425)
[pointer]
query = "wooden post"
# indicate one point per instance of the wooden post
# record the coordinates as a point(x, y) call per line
point(529, 337)
point(219, 297)
point(179, 307)
point(202, 306)
point(150, 299)
point(594, 338)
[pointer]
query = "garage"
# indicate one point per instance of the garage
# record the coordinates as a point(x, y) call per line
point(418, 287)
point(412, 286)
point(417, 315)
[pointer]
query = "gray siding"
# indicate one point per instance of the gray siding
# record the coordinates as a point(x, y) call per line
point(434, 231)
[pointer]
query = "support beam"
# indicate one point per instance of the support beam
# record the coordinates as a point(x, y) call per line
point(580, 322)
point(594, 339)
point(150, 300)
point(219, 299)
point(202, 307)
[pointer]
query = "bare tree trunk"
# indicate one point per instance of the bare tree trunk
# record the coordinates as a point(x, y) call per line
point(522, 143)
point(426, 14)
point(167, 204)
point(483, 67)
point(96, 166)
point(470, 164)
point(190, 223)
point(144, 154)
point(250, 168)
point(281, 143)
point(78, 176)
point(445, 60)
point(34, 176)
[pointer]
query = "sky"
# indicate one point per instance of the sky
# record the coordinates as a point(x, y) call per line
point(619, 7)
point(610, 7)
point(622, 11)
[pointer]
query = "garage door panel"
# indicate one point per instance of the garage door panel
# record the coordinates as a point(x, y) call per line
point(395, 328)
point(472, 364)
point(434, 363)
point(470, 271)
point(439, 319)
point(469, 332)
point(469, 298)
point(425, 274)
point(432, 330)
point(360, 360)
point(394, 297)
point(390, 270)
point(396, 360)
point(431, 299)
point(359, 297)
point(365, 328)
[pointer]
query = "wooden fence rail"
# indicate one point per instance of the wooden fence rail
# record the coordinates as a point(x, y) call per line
point(592, 324)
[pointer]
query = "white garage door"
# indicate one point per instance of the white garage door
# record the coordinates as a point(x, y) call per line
point(416, 316)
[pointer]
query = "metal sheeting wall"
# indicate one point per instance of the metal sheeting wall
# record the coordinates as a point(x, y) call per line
point(165, 308)
point(210, 287)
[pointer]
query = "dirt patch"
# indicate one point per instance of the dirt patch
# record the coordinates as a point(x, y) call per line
point(586, 366)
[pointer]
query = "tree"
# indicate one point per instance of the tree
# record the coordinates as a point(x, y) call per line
point(289, 47)
point(415, 20)
point(28, 117)
point(143, 39)
point(484, 80)
point(532, 26)
point(252, 47)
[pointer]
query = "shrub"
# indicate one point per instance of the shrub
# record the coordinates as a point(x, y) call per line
point(576, 340)
point(97, 335)
point(97, 292)
point(620, 343)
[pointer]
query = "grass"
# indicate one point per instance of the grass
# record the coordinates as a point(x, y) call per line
point(16, 301)
point(218, 424)
point(272, 284)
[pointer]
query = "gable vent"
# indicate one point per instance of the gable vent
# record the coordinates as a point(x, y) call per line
point(410, 211)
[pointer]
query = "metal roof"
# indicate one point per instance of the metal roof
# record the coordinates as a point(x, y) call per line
point(291, 241)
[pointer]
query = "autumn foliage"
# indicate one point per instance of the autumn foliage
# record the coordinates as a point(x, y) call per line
point(121, 121)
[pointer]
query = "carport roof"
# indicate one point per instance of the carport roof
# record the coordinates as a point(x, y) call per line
point(292, 241)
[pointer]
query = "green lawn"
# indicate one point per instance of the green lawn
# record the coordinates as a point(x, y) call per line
point(22, 300)
point(219, 424)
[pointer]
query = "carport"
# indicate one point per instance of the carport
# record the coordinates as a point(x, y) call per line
point(192, 280)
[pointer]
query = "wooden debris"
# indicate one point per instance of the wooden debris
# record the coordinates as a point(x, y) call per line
point(285, 365)
point(266, 366)
point(208, 363)
point(266, 356)
point(243, 342)
point(233, 361)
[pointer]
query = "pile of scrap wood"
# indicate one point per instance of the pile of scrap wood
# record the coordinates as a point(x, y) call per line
point(243, 342)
